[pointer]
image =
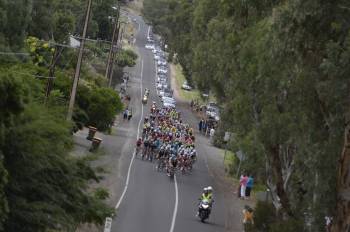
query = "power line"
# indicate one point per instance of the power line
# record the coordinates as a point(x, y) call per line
point(34, 75)
point(15, 53)
point(92, 40)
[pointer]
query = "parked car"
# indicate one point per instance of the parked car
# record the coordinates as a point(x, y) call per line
point(161, 93)
point(168, 99)
point(162, 66)
point(149, 46)
point(162, 62)
point(162, 70)
point(161, 80)
point(167, 93)
point(156, 57)
point(162, 76)
point(213, 112)
point(159, 87)
point(170, 105)
point(186, 86)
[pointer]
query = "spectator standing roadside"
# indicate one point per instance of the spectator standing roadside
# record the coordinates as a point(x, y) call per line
point(250, 183)
point(126, 112)
point(204, 126)
point(243, 184)
point(211, 134)
point(200, 125)
point(329, 221)
point(129, 114)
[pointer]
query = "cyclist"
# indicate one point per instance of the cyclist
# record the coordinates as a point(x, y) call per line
point(138, 146)
point(172, 164)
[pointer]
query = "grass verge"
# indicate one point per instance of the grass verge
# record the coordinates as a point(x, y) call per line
point(179, 80)
point(185, 95)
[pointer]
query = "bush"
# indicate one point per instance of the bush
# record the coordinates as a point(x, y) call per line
point(104, 104)
point(264, 216)
point(126, 58)
point(266, 219)
point(290, 225)
point(95, 105)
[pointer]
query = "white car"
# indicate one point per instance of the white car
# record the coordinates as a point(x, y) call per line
point(163, 83)
point(159, 87)
point(162, 62)
point(213, 112)
point(156, 57)
point(162, 80)
point(161, 93)
point(162, 70)
point(169, 105)
point(149, 46)
point(169, 99)
point(185, 86)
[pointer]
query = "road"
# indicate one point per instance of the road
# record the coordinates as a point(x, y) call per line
point(147, 200)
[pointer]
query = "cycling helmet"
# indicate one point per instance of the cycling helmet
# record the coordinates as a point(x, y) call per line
point(210, 188)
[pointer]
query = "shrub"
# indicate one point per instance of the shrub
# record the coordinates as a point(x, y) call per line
point(104, 104)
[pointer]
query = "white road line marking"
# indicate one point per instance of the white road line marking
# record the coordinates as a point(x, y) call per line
point(155, 67)
point(133, 155)
point(149, 30)
point(176, 206)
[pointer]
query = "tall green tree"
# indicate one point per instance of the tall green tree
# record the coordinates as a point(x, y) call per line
point(281, 68)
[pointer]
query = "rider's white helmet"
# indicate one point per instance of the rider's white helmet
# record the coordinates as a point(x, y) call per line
point(209, 188)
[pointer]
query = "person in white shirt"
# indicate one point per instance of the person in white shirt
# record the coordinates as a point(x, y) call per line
point(211, 134)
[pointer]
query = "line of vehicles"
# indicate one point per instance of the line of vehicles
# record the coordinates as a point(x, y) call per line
point(163, 87)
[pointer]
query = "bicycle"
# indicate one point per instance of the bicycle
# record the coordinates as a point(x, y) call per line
point(160, 164)
point(138, 149)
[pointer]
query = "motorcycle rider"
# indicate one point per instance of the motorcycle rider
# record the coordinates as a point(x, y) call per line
point(205, 197)
point(210, 194)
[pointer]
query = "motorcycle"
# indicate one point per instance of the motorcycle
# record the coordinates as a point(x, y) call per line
point(204, 210)
point(144, 99)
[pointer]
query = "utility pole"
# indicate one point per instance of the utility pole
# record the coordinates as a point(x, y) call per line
point(78, 67)
point(114, 50)
point(115, 29)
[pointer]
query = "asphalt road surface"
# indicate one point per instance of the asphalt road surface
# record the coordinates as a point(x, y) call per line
point(150, 201)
